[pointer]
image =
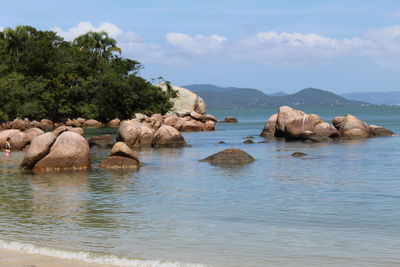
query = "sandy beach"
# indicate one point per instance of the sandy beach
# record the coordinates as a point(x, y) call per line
point(10, 258)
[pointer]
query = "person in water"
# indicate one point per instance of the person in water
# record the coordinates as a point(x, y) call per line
point(7, 147)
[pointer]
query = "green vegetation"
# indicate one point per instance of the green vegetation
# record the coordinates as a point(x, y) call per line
point(44, 76)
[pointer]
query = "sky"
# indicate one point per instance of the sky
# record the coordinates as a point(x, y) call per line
point(272, 45)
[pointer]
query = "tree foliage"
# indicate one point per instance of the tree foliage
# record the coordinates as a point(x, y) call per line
point(44, 76)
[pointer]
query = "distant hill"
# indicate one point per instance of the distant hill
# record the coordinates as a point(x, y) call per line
point(216, 96)
point(378, 98)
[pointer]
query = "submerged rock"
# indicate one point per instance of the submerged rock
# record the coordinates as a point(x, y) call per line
point(105, 140)
point(121, 157)
point(229, 120)
point(248, 141)
point(230, 156)
point(298, 154)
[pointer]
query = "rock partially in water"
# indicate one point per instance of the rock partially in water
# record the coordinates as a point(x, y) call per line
point(380, 131)
point(92, 124)
point(121, 157)
point(105, 140)
point(248, 141)
point(352, 127)
point(269, 127)
point(221, 142)
point(114, 123)
point(168, 136)
point(230, 120)
point(230, 156)
point(298, 154)
point(135, 134)
point(69, 151)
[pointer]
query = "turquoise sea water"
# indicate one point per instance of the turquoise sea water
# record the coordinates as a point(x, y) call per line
point(338, 206)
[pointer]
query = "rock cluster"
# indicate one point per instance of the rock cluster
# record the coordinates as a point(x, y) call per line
point(17, 139)
point(57, 150)
point(46, 124)
point(293, 124)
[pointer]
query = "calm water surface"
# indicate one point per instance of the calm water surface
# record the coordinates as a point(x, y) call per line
point(338, 206)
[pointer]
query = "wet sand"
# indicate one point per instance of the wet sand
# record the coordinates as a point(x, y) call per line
point(10, 258)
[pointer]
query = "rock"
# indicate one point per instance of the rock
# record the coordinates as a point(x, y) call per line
point(196, 115)
point(179, 123)
point(167, 136)
point(135, 134)
point(140, 116)
point(310, 136)
point(59, 130)
point(114, 123)
point(18, 141)
point(38, 149)
point(105, 140)
point(221, 142)
point(286, 115)
point(230, 156)
point(20, 124)
point(209, 117)
point(351, 127)
point(298, 154)
point(263, 142)
point(171, 120)
point(209, 125)
point(77, 123)
point(92, 124)
point(269, 127)
point(156, 121)
point(32, 133)
point(69, 151)
point(81, 120)
point(121, 157)
point(325, 129)
point(77, 130)
point(248, 141)
point(69, 122)
point(380, 131)
point(46, 124)
point(6, 135)
point(229, 120)
point(185, 101)
point(193, 126)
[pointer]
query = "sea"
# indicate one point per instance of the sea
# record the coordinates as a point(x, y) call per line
point(337, 206)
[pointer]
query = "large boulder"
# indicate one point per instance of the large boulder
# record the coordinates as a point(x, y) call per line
point(269, 127)
point(352, 127)
point(38, 149)
point(135, 134)
point(292, 123)
point(185, 101)
point(193, 126)
point(230, 156)
point(121, 157)
point(6, 135)
point(32, 133)
point(70, 151)
point(168, 136)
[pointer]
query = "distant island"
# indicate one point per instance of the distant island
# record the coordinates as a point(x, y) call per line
point(229, 97)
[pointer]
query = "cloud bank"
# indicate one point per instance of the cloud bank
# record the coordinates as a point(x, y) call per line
point(379, 45)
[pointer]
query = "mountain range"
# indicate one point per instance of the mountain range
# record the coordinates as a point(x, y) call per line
point(216, 96)
point(377, 98)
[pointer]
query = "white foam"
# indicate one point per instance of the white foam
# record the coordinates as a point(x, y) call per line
point(90, 257)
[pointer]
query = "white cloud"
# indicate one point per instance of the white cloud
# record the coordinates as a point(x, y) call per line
point(379, 45)
point(84, 27)
point(132, 45)
point(198, 44)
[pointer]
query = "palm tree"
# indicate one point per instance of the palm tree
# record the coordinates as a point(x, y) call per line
point(97, 43)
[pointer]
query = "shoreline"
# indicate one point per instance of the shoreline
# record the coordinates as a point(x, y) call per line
point(11, 258)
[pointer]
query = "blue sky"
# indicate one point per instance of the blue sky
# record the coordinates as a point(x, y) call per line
point(272, 45)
